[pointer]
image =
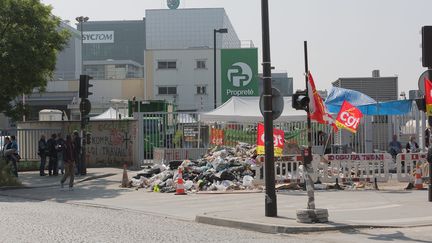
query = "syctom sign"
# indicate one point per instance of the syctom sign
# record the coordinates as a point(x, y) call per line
point(239, 72)
point(90, 37)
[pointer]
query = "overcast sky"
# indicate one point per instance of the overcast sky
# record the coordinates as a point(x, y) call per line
point(346, 38)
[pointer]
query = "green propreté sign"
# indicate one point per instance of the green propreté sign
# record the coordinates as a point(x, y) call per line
point(239, 72)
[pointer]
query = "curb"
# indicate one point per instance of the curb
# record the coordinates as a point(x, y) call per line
point(228, 192)
point(5, 188)
point(280, 229)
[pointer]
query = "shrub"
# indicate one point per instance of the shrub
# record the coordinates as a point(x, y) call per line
point(6, 176)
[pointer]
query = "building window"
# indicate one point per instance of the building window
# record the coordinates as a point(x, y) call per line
point(200, 64)
point(167, 90)
point(201, 90)
point(167, 64)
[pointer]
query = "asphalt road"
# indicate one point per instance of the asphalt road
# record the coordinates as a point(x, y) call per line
point(23, 220)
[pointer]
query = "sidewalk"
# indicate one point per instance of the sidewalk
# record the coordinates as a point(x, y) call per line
point(347, 209)
point(32, 179)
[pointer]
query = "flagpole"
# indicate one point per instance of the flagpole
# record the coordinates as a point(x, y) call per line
point(307, 155)
point(328, 139)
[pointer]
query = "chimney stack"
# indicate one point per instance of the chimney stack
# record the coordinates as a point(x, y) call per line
point(376, 73)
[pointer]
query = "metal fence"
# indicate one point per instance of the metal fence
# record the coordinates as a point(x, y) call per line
point(28, 140)
point(182, 130)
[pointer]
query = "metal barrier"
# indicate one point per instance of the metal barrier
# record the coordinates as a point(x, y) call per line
point(355, 167)
point(28, 141)
point(161, 155)
point(406, 164)
point(288, 168)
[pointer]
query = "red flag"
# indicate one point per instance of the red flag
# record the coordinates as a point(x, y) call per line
point(317, 110)
point(349, 117)
point(278, 140)
point(217, 136)
point(428, 96)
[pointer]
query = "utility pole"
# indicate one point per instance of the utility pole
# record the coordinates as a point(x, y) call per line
point(82, 164)
point(270, 196)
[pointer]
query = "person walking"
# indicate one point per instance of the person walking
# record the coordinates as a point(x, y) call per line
point(43, 151)
point(52, 153)
point(77, 145)
point(60, 144)
point(69, 159)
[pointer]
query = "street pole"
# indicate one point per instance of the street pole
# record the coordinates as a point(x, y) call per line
point(214, 69)
point(270, 197)
point(82, 167)
point(308, 155)
point(430, 162)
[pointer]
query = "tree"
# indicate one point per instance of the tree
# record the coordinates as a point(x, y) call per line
point(30, 39)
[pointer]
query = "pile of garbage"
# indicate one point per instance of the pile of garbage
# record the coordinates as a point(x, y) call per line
point(222, 168)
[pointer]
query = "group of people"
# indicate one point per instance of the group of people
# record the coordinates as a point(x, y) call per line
point(10, 153)
point(64, 156)
point(395, 147)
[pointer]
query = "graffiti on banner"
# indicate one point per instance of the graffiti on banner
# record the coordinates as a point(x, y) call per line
point(357, 157)
point(278, 140)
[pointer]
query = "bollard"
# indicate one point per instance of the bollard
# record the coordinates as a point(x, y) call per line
point(304, 185)
point(337, 186)
point(376, 184)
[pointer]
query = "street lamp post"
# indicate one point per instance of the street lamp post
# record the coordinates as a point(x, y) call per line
point(82, 164)
point(81, 20)
point(222, 31)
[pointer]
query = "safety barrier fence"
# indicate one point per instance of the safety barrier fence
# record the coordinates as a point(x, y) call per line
point(355, 167)
point(288, 168)
point(406, 164)
point(328, 168)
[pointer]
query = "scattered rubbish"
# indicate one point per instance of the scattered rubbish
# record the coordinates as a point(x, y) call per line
point(223, 168)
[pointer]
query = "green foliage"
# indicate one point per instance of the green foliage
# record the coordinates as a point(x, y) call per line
point(29, 42)
point(6, 177)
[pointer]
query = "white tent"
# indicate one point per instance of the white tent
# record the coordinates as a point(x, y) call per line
point(246, 109)
point(110, 114)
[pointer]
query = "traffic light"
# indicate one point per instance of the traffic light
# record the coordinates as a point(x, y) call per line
point(427, 46)
point(421, 104)
point(84, 86)
point(300, 100)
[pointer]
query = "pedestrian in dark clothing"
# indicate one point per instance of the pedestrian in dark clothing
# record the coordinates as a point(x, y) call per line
point(69, 159)
point(61, 143)
point(8, 152)
point(11, 154)
point(43, 152)
point(77, 148)
point(412, 146)
point(52, 153)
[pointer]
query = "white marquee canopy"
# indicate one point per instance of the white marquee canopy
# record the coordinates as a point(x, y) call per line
point(246, 109)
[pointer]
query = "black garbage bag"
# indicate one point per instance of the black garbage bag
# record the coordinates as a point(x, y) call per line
point(174, 164)
point(226, 175)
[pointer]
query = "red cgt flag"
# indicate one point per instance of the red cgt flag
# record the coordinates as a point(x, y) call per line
point(349, 117)
point(428, 96)
point(278, 140)
point(318, 110)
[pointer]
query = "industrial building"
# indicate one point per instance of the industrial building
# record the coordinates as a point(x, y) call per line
point(168, 55)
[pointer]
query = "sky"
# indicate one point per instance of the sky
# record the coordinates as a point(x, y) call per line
point(346, 38)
